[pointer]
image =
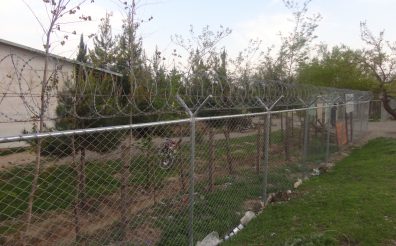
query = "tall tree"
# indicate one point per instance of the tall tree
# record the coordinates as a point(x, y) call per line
point(337, 68)
point(221, 75)
point(102, 55)
point(82, 50)
point(295, 46)
point(379, 57)
point(202, 50)
point(131, 62)
point(129, 46)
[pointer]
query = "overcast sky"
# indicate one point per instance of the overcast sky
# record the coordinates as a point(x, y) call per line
point(248, 19)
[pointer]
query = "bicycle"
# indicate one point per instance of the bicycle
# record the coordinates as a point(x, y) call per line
point(168, 153)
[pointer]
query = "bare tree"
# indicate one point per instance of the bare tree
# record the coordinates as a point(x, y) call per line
point(295, 45)
point(379, 57)
point(56, 11)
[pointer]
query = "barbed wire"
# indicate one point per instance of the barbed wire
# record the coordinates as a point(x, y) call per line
point(91, 94)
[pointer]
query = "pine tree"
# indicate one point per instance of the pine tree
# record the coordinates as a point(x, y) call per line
point(82, 50)
point(130, 61)
point(102, 54)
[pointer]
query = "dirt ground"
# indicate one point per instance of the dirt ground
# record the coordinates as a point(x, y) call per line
point(24, 158)
point(382, 129)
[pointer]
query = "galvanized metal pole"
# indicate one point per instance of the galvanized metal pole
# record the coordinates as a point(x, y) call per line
point(266, 146)
point(330, 104)
point(192, 165)
point(328, 142)
point(360, 105)
point(305, 146)
point(266, 156)
point(306, 119)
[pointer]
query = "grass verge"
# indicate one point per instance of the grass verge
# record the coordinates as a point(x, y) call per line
point(353, 204)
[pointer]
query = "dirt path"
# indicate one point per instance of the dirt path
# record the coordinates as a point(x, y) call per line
point(379, 129)
point(24, 158)
point(382, 129)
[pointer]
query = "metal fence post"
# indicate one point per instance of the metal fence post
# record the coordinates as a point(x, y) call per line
point(328, 141)
point(330, 104)
point(361, 110)
point(266, 145)
point(306, 119)
point(305, 145)
point(192, 164)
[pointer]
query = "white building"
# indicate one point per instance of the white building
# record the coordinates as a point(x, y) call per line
point(21, 72)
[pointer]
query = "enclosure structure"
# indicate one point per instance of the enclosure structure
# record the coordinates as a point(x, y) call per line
point(184, 163)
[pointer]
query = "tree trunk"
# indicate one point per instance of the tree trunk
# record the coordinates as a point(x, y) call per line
point(258, 148)
point(154, 182)
point(42, 110)
point(123, 191)
point(210, 158)
point(76, 211)
point(281, 120)
point(292, 124)
point(228, 150)
point(387, 107)
point(346, 127)
point(81, 180)
point(286, 138)
point(33, 190)
point(182, 178)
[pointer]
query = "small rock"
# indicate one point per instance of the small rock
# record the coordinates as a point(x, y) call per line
point(297, 183)
point(330, 164)
point(324, 168)
point(315, 172)
point(249, 215)
point(280, 196)
point(212, 239)
point(253, 205)
point(270, 198)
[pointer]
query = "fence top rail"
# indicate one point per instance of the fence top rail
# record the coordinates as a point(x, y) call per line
point(33, 136)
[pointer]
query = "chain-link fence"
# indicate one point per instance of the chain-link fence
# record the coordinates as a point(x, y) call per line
point(163, 183)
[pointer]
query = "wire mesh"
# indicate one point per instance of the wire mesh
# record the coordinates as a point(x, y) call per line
point(132, 184)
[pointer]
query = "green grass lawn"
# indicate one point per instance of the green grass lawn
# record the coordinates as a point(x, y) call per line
point(353, 204)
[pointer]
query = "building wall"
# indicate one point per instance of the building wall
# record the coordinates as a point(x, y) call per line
point(21, 74)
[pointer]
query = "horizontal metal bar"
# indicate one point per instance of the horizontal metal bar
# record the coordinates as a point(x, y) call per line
point(25, 137)
point(31, 136)
point(264, 113)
